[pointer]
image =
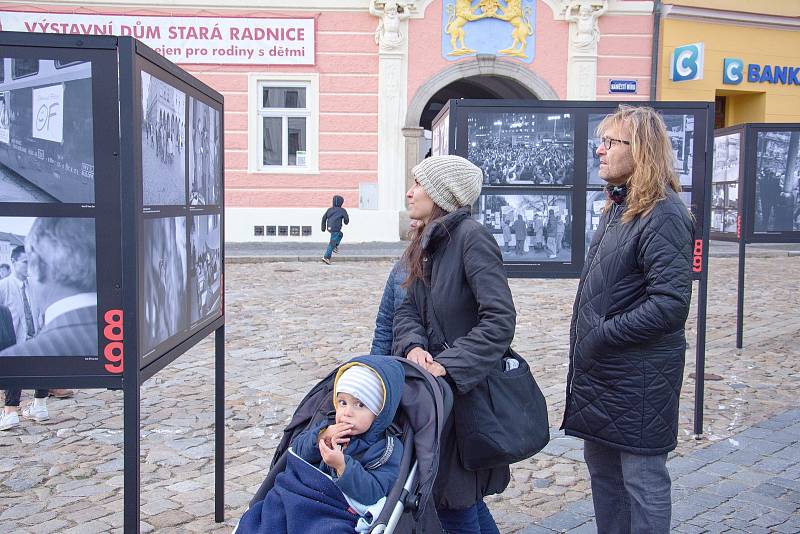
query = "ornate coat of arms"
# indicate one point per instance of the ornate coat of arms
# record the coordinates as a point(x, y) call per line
point(501, 27)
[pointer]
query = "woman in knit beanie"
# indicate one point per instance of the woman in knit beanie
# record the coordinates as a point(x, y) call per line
point(457, 321)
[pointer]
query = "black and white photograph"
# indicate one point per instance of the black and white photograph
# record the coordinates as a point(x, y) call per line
point(680, 129)
point(529, 227)
point(724, 220)
point(595, 203)
point(205, 169)
point(592, 159)
point(46, 131)
point(163, 143)
point(48, 287)
point(718, 196)
point(522, 148)
point(778, 182)
point(165, 273)
point(726, 158)
point(205, 268)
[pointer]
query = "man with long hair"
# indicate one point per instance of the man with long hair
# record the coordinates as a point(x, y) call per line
point(627, 339)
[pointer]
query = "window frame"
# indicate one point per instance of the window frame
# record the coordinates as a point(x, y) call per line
point(308, 81)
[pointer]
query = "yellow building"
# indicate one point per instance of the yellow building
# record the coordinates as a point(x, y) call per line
point(744, 55)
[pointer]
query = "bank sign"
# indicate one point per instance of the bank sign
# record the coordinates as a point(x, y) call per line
point(686, 63)
point(734, 72)
point(209, 40)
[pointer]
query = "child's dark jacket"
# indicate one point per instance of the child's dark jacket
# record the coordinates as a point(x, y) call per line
point(335, 215)
point(361, 482)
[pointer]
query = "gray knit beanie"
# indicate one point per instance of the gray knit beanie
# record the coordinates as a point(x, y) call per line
point(451, 181)
point(364, 384)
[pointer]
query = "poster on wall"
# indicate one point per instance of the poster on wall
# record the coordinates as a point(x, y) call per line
point(163, 143)
point(777, 202)
point(46, 131)
point(529, 227)
point(165, 280)
point(522, 148)
point(48, 300)
point(205, 141)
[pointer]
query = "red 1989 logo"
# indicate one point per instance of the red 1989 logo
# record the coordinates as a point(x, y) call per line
point(697, 261)
point(113, 333)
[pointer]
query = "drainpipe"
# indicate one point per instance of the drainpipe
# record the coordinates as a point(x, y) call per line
point(656, 51)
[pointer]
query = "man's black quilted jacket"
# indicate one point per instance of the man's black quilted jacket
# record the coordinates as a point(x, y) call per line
point(627, 339)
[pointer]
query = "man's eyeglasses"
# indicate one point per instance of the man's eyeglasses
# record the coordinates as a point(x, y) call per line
point(609, 141)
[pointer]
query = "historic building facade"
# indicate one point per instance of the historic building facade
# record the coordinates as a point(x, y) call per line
point(326, 97)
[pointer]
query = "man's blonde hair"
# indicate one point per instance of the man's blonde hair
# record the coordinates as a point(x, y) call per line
point(654, 161)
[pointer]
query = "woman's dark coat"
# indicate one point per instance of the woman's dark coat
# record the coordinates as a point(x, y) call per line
point(627, 340)
point(473, 305)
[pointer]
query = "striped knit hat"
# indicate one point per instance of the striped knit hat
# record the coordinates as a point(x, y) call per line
point(364, 384)
point(451, 181)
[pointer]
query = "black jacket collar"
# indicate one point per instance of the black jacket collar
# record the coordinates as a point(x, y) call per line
point(439, 231)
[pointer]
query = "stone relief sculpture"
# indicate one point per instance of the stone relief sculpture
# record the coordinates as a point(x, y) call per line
point(388, 34)
point(583, 15)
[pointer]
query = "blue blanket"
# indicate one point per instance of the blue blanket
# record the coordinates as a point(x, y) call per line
point(303, 500)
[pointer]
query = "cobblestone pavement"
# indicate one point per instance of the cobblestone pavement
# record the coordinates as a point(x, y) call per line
point(290, 323)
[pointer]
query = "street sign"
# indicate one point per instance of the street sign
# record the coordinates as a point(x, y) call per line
point(622, 86)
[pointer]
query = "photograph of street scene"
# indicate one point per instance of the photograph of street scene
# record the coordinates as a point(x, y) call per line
point(205, 291)
point(680, 129)
point(163, 143)
point(528, 227)
point(205, 171)
point(522, 148)
point(726, 158)
point(778, 182)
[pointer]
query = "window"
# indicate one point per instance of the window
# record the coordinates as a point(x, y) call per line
point(24, 67)
point(286, 124)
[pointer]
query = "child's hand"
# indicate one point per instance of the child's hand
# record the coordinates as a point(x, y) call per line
point(332, 456)
point(336, 434)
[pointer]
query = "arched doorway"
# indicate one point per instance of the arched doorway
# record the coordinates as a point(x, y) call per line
point(482, 77)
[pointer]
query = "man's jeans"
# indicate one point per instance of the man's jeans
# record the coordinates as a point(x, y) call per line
point(631, 492)
point(336, 238)
point(477, 519)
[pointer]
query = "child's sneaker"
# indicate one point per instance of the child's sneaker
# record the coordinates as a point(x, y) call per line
point(8, 420)
point(326, 260)
point(37, 413)
point(335, 250)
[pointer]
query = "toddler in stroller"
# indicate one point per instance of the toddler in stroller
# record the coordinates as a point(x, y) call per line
point(370, 485)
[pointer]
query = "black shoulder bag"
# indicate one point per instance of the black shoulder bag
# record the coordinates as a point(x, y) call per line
point(503, 420)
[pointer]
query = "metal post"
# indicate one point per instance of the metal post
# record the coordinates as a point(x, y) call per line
point(700, 354)
point(740, 295)
point(219, 424)
point(131, 435)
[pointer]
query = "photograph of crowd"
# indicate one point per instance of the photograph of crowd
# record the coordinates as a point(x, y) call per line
point(726, 158)
point(778, 182)
point(528, 227)
point(522, 148)
point(48, 287)
point(165, 273)
point(204, 268)
point(680, 129)
point(163, 143)
point(46, 131)
point(205, 170)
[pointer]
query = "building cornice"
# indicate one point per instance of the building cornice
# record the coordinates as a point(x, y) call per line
point(736, 18)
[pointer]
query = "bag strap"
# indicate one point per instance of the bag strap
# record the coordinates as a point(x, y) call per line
point(436, 324)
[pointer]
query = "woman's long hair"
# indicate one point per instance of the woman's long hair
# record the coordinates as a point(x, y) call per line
point(412, 257)
point(654, 161)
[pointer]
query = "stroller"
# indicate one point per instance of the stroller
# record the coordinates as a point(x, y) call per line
point(424, 407)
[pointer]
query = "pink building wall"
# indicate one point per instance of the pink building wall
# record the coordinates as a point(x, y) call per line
point(624, 52)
